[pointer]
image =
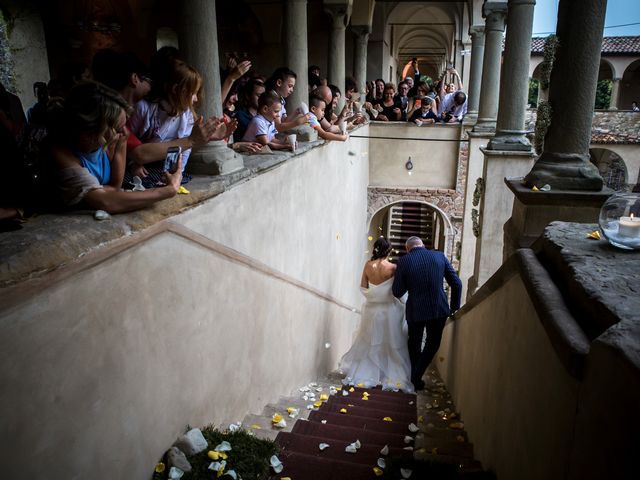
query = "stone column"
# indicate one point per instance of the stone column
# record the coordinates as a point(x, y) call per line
point(615, 94)
point(360, 56)
point(564, 163)
point(476, 33)
point(514, 84)
point(495, 13)
point(297, 51)
point(339, 12)
point(199, 47)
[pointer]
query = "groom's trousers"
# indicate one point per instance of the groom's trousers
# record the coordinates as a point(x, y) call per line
point(421, 357)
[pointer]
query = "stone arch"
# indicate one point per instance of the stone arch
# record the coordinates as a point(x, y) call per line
point(382, 203)
point(606, 70)
point(612, 168)
point(630, 86)
point(166, 37)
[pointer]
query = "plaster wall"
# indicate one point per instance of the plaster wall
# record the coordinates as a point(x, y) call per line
point(515, 396)
point(435, 162)
point(28, 47)
point(103, 370)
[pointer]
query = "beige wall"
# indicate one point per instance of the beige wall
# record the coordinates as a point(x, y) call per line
point(435, 162)
point(102, 371)
point(516, 399)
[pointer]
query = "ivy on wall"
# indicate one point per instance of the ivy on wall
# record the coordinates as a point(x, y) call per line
point(549, 56)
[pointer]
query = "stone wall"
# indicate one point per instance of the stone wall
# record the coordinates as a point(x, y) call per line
point(201, 318)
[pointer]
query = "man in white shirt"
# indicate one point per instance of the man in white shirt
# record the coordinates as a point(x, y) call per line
point(454, 107)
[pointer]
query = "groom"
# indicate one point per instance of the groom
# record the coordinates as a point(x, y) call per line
point(421, 273)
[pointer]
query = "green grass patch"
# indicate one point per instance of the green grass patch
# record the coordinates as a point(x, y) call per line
point(249, 456)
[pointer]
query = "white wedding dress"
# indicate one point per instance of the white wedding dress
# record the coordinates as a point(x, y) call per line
point(379, 354)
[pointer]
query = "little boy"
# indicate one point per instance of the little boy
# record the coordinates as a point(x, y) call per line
point(262, 127)
point(425, 114)
point(282, 83)
point(316, 114)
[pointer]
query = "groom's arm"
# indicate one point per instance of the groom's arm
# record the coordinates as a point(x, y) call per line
point(454, 282)
point(399, 287)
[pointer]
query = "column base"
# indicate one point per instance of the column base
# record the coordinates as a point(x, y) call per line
point(215, 158)
point(565, 171)
point(304, 133)
point(485, 125)
point(533, 211)
point(470, 118)
point(510, 141)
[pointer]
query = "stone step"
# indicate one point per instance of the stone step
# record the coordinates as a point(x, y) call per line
point(266, 429)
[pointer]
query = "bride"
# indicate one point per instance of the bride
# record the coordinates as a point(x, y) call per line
point(379, 354)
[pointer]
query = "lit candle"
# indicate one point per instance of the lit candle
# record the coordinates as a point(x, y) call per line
point(629, 226)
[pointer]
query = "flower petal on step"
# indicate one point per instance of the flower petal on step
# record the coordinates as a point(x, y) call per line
point(234, 427)
point(357, 444)
point(255, 426)
point(388, 419)
point(408, 448)
point(310, 406)
point(434, 451)
point(304, 389)
point(324, 397)
point(343, 410)
point(352, 389)
point(378, 471)
point(405, 472)
point(365, 398)
point(385, 450)
point(361, 385)
point(280, 424)
point(413, 428)
point(323, 446)
point(420, 419)
point(408, 439)
point(411, 402)
point(223, 446)
point(381, 463)
point(344, 393)
point(276, 418)
point(317, 404)
point(324, 422)
point(276, 464)
point(175, 473)
point(351, 448)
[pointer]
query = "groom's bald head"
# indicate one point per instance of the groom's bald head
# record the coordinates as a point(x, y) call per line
point(413, 242)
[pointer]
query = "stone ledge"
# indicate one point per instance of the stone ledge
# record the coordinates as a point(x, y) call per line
point(49, 241)
point(564, 198)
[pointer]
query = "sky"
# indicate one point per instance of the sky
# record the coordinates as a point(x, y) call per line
point(619, 12)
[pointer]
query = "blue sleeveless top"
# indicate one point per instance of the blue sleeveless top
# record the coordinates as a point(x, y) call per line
point(97, 163)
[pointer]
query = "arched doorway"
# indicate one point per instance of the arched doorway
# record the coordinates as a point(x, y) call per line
point(612, 168)
point(630, 86)
point(402, 219)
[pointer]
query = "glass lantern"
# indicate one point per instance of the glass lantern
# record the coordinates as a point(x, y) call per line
point(620, 220)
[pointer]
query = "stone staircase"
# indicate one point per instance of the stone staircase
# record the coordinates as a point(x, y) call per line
point(339, 416)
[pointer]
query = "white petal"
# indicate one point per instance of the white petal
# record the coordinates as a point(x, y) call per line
point(310, 406)
point(215, 466)
point(327, 345)
point(413, 428)
point(345, 393)
point(280, 424)
point(274, 461)
point(313, 384)
point(234, 427)
point(405, 472)
point(232, 474)
point(385, 450)
point(411, 402)
point(175, 473)
point(408, 439)
point(323, 446)
point(351, 448)
point(357, 444)
point(382, 463)
point(305, 397)
point(319, 389)
point(304, 389)
point(408, 448)
point(224, 446)
point(324, 422)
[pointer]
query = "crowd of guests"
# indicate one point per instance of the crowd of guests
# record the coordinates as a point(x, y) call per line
point(98, 140)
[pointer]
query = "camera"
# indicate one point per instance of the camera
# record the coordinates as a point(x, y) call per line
point(171, 160)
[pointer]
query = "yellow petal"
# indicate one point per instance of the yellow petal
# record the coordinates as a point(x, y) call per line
point(595, 235)
point(460, 438)
point(535, 189)
point(317, 404)
point(343, 410)
point(160, 467)
point(220, 472)
point(369, 238)
point(290, 409)
point(223, 455)
point(213, 455)
point(324, 397)
point(388, 419)
point(360, 385)
point(276, 418)
point(421, 450)
point(365, 398)
point(338, 388)
point(378, 471)
point(434, 451)
point(183, 190)
point(420, 419)
point(255, 426)
point(352, 389)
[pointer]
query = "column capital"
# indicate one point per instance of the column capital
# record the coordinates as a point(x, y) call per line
point(495, 14)
point(476, 31)
point(361, 30)
point(339, 10)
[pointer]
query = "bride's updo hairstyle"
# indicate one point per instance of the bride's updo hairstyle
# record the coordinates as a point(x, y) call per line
point(381, 248)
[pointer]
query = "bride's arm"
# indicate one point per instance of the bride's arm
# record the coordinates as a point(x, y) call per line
point(364, 282)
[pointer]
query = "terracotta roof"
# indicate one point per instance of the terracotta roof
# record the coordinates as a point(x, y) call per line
point(610, 45)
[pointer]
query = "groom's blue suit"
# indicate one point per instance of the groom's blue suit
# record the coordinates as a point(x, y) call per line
point(421, 273)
